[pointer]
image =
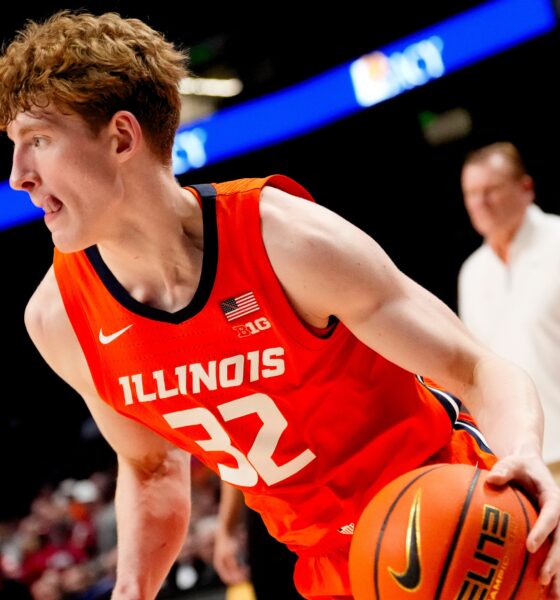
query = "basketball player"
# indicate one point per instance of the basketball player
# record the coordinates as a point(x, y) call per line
point(239, 321)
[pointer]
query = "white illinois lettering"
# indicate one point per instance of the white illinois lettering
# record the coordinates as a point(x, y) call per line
point(231, 371)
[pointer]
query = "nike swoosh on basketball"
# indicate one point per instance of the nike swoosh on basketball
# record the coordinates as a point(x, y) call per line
point(409, 579)
point(107, 339)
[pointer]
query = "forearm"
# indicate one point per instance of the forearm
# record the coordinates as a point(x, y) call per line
point(228, 549)
point(504, 401)
point(231, 505)
point(153, 510)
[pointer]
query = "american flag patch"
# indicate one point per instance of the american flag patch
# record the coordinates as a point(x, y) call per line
point(239, 306)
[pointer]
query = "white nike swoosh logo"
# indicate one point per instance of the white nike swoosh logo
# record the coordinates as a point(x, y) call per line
point(107, 339)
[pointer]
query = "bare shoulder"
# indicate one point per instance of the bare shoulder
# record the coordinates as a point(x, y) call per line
point(284, 211)
point(280, 207)
point(43, 305)
point(50, 331)
point(293, 226)
point(44, 315)
point(299, 228)
point(321, 259)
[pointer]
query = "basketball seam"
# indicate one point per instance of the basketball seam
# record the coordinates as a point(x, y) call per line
point(457, 533)
point(526, 558)
point(384, 525)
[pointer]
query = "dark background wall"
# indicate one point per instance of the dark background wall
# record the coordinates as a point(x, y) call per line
point(375, 168)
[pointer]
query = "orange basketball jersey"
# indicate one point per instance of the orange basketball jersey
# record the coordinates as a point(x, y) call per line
point(307, 425)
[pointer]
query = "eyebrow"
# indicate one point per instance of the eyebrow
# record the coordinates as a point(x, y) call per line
point(25, 129)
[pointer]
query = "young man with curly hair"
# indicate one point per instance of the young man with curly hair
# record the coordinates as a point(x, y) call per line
point(238, 321)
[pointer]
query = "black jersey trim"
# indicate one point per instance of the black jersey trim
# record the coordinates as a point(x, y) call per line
point(452, 406)
point(207, 277)
point(450, 403)
point(475, 433)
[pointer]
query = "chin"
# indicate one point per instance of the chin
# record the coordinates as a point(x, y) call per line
point(67, 246)
point(483, 228)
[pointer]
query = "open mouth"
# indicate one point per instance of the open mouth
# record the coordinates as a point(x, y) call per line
point(51, 204)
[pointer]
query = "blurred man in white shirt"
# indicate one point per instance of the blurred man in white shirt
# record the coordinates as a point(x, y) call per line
point(509, 288)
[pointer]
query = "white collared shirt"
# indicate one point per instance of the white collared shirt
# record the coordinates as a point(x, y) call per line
point(514, 309)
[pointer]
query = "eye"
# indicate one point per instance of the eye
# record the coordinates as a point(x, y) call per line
point(37, 141)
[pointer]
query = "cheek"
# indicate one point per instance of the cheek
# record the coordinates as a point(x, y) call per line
point(475, 205)
point(93, 174)
point(500, 203)
point(85, 159)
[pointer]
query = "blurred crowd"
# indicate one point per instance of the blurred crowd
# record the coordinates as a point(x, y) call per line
point(65, 547)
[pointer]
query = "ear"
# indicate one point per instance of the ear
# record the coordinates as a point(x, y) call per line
point(126, 133)
point(529, 187)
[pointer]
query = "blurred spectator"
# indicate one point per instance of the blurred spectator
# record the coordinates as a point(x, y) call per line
point(82, 582)
point(509, 288)
point(104, 517)
point(47, 586)
point(65, 548)
point(56, 552)
point(76, 580)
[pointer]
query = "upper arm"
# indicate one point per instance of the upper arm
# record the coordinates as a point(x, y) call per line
point(327, 266)
point(51, 332)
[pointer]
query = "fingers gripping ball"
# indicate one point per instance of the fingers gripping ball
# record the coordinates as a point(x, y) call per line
point(441, 532)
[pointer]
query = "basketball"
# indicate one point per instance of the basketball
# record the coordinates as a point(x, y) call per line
point(442, 532)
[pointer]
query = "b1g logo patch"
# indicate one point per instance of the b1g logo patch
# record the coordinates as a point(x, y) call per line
point(252, 327)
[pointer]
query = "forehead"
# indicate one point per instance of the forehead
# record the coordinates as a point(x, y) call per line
point(42, 119)
point(493, 168)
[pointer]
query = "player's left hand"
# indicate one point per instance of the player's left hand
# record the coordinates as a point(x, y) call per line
point(534, 476)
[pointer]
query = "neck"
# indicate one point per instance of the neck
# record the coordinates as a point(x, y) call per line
point(155, 250)
point(501, 247)
point(501, 241)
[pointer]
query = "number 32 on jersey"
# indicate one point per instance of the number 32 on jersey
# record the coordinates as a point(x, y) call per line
point(258, 461)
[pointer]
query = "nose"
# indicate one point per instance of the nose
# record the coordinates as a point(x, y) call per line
point(22, 177)
point(24, 181)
